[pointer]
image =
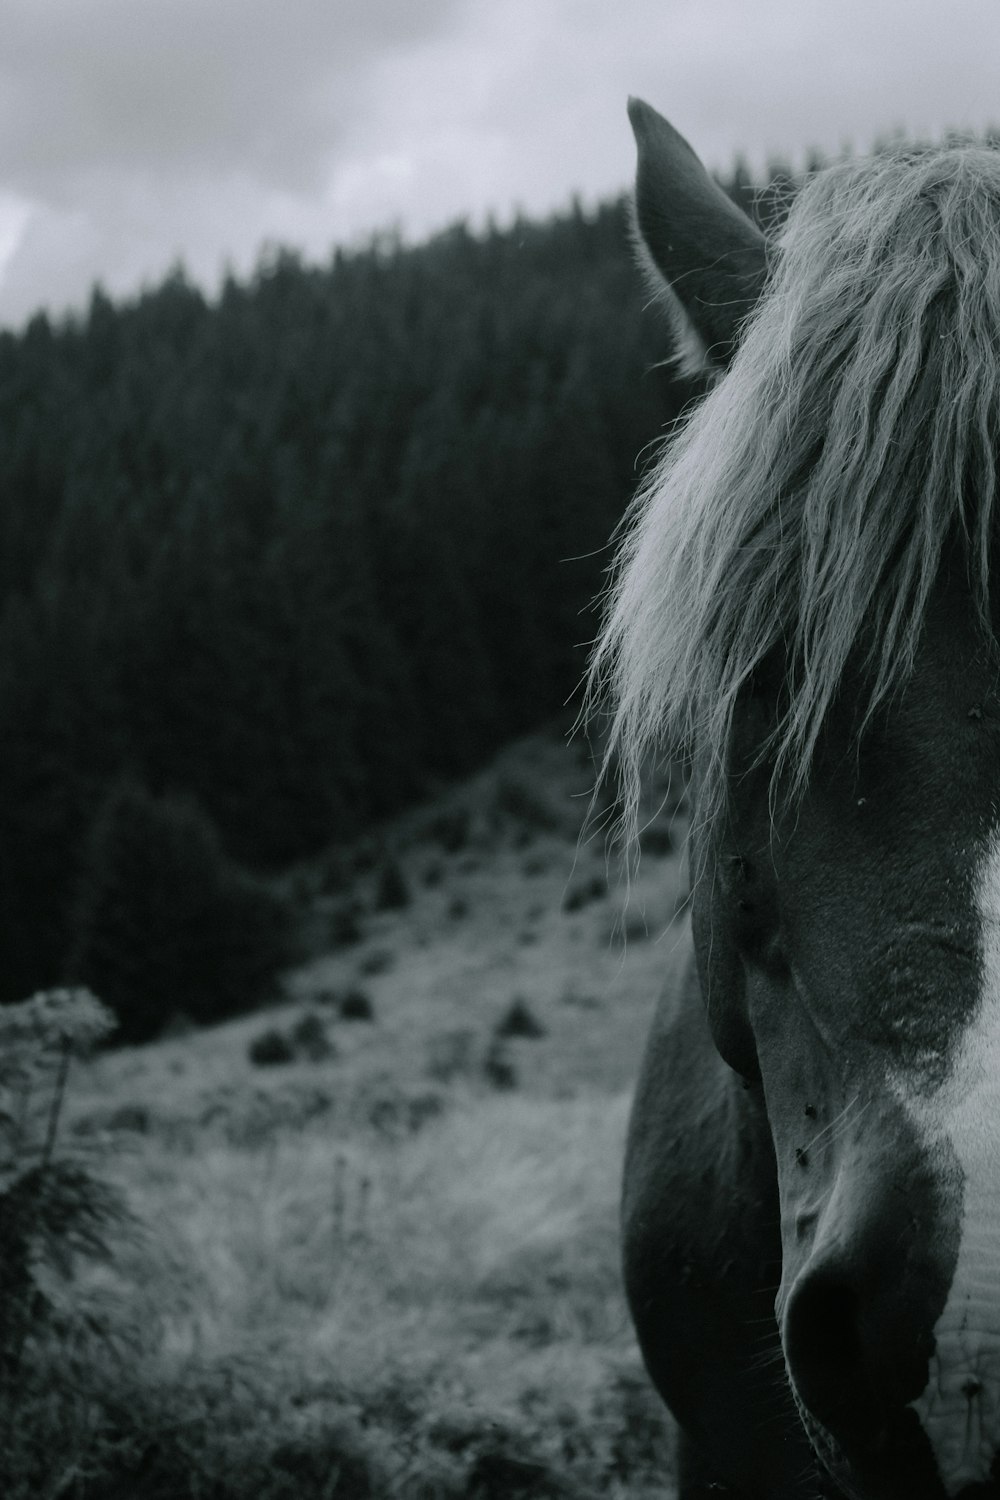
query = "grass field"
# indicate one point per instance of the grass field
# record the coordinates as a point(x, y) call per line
point(381, 1260)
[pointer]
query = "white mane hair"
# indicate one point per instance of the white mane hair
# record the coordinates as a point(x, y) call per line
point(806, 501)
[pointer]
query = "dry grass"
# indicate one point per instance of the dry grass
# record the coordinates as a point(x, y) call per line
point(376, 1274)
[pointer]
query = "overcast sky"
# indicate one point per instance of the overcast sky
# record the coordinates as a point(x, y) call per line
point(134, 133)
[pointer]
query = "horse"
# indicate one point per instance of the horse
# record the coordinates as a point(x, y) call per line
point(803, 606)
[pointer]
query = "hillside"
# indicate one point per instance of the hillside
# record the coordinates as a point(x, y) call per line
point(384, 1264)
point(301, 553)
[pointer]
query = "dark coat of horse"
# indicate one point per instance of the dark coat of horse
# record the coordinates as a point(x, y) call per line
point(804, 602)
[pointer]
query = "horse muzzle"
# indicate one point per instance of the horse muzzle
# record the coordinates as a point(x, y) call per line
point(891, 1330)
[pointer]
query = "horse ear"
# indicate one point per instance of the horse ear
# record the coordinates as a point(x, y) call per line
point(705, 260)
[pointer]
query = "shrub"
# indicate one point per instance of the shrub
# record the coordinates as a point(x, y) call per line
point(165, 922)
point(270, 1048)
point(518, 1021)
point(355, 1005)
point(498, 1068)
point(54, 1212)
point(309, 1039)
point(656, 839)
point(628, 926)
point(137, 1118)
point(585, 891)
point(211, 1432)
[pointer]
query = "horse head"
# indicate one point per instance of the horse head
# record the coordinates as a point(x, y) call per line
point(804, 602)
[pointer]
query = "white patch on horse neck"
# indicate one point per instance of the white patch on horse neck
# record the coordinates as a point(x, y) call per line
point(960, 1406)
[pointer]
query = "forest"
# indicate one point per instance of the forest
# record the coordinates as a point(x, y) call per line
point(276, 563)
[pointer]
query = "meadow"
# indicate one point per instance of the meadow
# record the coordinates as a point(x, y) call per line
point(373, 1246)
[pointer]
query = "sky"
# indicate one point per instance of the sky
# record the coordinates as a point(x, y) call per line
point(136, 134)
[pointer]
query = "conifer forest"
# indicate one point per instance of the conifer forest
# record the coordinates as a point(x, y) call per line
point(275, 563)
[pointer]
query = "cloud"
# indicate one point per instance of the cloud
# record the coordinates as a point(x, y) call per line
point(523, 101)
point(787, 75)
point(134, 132)
point(190, 86)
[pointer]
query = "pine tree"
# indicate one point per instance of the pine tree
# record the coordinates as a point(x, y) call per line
point(165, 924)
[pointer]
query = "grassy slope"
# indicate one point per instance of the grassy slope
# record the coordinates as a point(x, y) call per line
point(392, 1270)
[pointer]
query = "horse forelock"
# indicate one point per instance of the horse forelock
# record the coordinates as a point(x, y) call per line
point(807, 501)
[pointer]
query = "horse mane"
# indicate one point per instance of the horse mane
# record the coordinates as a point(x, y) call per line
point(806, 502)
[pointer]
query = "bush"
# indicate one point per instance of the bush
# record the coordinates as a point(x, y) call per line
point(309, 1039)
point(519, 1021)
point(270, 1048)
point(498, 1068)
point(54, 1212)
point(583, 892)
point(211, 1433)
point(165, 922)
point(355, 1005)
point(656, 839)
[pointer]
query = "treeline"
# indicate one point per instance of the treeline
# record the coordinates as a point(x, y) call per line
point(295, 553)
